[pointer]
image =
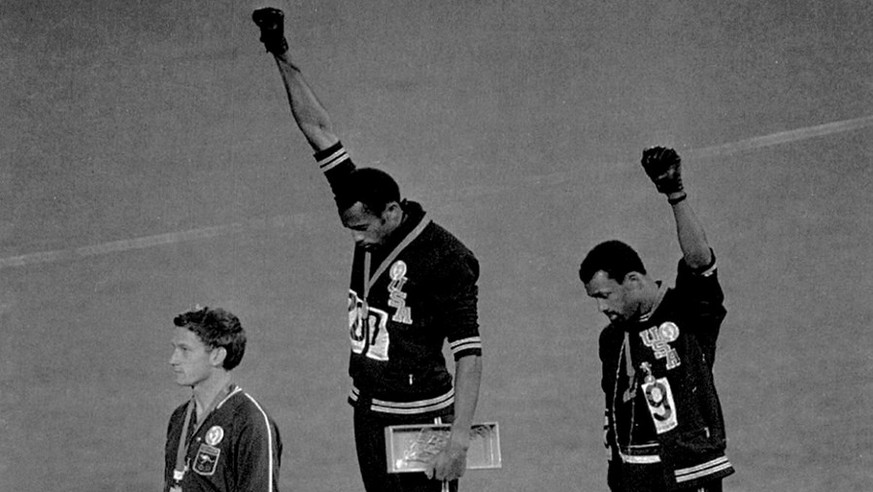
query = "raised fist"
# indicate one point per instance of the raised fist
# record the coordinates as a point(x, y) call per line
point(272, 24)
point(663, 167)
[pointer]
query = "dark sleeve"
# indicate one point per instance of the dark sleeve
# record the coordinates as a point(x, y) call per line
point(168, 458)
point(607, 377)
point(461, 305)
point(258, 451)
point(700, 289)
point(703, 300)
point(172, 445)
point(337, 166)
point(607, 384)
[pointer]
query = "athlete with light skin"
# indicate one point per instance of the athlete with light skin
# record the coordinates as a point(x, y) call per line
point(199, 368)
point(221, 439)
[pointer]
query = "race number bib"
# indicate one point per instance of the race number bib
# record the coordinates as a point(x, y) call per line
point(659, 399)
point(368, 329)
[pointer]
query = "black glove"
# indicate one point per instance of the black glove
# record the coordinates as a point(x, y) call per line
point(663, 166)
point(272, 24)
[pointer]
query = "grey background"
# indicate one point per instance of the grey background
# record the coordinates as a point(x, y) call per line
point(148, 162)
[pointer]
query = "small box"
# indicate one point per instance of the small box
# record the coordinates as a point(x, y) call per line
point(409, 448)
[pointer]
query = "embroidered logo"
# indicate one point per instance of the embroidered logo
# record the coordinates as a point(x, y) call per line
point(658, 338)
point(207, 460)
point(396, 296)
point(214, 435)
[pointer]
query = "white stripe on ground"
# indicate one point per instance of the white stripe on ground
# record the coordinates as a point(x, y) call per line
point(150, 241)
point(782, 137)
point(285, 220)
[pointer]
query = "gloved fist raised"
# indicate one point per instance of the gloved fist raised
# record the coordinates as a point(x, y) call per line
point(271, 22)
point(663, 166)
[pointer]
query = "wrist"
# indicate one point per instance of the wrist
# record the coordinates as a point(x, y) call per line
point(460, 439)
point(676, 197)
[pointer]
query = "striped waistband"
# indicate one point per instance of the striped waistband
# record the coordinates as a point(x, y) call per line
point(720, 465)
point(640, 454)
point(403, 408)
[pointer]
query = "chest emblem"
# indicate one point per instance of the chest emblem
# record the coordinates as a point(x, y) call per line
point(207, 460)
point(658, 338)
point(214, 435)
point(396, 296)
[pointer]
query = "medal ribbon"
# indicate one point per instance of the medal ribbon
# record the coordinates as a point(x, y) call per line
point(182, 450)
point(369, 280)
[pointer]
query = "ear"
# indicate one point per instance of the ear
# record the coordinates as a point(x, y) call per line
point(217, 356)
point(633, 280)
point(392, 212)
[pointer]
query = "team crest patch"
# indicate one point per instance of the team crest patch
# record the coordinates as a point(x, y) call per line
point(658, 338)
point(214, 435)
point(207, 460)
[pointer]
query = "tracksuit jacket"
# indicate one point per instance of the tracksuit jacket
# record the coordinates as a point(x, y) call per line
point(664, 428)
point(405, 300)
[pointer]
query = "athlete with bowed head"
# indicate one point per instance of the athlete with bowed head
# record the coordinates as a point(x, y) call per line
point(664, 428)
point(413, 288)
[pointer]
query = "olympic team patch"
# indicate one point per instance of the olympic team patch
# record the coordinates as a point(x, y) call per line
point(659, 338)
point(207, 460)
point(214, 435)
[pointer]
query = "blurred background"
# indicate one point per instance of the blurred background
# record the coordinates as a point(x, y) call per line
point(149, 162)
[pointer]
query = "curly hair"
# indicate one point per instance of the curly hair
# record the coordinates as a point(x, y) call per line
point(216, 328)
point(374, 188)
point(613, 257)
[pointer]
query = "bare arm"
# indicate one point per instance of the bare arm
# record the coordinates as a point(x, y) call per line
point(663, 166)
point(692, 239)
point(468, 376)
point(307, 110)
point(452, 461)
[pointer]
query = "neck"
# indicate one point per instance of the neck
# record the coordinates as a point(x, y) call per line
point(208, 390)
point(650, 298)
point(402, 217)
point(392, 238)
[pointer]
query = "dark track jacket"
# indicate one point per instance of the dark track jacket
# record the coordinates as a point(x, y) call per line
point(405, 301)
point(664, 427)
point(235, 448)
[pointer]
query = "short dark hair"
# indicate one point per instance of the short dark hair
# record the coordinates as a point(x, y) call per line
point(216, 328)
point(613, 257)
point(374, 188)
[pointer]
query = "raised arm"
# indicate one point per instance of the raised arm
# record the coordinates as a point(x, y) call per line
point(663, 167)
point(308, 112)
